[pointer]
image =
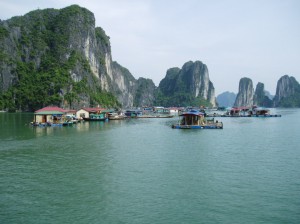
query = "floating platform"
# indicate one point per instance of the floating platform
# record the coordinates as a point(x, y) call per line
point(224, 115)
point(217, 126)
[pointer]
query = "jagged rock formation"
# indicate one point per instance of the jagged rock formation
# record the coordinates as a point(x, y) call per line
point(189, 85)
point(259, 94)
point(59, 57)
point(124, 84)
point(245, 94)
point(144, 94)
point(287, 92)
point(260, 98)
point(226, 99)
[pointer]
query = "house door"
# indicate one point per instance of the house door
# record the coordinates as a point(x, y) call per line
point(44, 120)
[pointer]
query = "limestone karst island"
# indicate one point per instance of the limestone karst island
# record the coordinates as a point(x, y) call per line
point(58, 58)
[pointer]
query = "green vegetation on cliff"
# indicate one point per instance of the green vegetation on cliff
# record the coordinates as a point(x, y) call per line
point(39, 60)
point(180, 99)
point(188, 86)
point(260, 98)
point(51, 84)
point(144, 92)
point(287, 92)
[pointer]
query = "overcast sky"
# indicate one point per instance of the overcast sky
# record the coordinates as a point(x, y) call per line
point(258, 39)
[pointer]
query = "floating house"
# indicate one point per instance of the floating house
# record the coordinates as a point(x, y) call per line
point(239, 111)
point(92, 114)
point(87, 111)
point(49, 115)
point(196, 120)
point(253, 111)
point(161, 110)
point(262, 112)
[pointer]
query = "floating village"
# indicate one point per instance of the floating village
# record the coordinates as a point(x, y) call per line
point(188, 118)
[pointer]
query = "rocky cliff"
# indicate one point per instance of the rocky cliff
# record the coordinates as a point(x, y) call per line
point(187, 86)
point(287, 92)
point(59, 57)
point(260, 98)
point(245, 94)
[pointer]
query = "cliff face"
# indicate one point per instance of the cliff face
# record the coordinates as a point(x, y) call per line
point(245, 94)
point(259, 94)
point(145, 92)
point(287, 92)
point(63, 53)
point(260, 98)
point(131, 92)
point(187, 85)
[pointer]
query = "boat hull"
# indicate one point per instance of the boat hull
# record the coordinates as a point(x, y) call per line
point(197, 126)
point(94, 119)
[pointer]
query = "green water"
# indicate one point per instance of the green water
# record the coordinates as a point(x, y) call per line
point(142, 171)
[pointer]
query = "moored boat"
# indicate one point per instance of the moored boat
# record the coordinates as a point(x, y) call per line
point(195, 120)
point(96, 117)
point(133, 113)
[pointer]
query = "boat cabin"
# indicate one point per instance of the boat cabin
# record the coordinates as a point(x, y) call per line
point(192, 118)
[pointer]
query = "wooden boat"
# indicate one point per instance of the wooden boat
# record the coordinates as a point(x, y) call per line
point(195, 120)
point(96, 117)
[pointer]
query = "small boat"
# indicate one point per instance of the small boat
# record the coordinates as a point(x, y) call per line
point(195, 120)
point(96, 117)
point(133, 113)
point(116, 116)
point(71, 119)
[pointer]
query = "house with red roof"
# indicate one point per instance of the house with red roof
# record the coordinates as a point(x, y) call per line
point(51, 114)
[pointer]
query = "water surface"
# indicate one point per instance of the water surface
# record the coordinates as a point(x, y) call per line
point(143, 171)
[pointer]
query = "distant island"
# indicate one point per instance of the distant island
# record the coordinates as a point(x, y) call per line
point(226, 99)
point(287, 93)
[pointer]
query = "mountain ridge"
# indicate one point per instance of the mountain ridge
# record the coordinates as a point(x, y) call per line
point(58, 57)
